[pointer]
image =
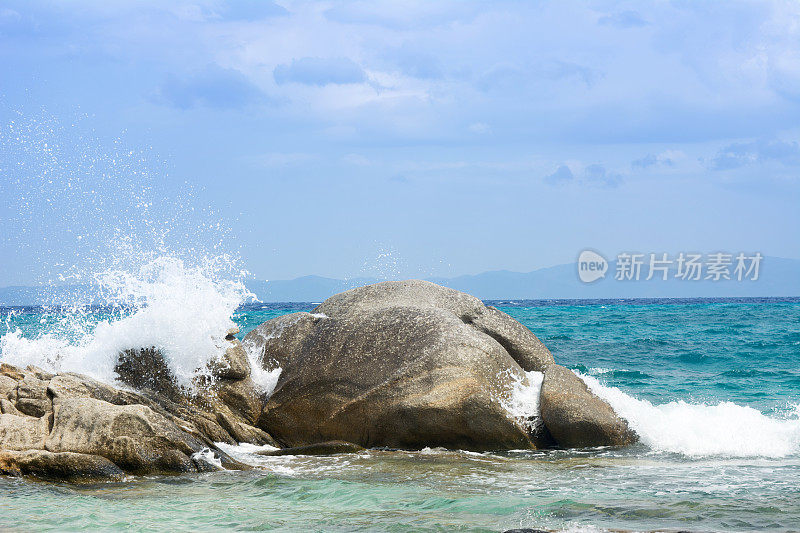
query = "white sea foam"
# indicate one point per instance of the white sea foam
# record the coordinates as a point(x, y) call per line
point(268, 379)
point(265, 380)
point(207, 455)
point(248, 454)
point(523, 400)
point(183, 311)
point(722, 429)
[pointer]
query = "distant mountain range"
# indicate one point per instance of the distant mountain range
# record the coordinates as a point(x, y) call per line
point(777, 277)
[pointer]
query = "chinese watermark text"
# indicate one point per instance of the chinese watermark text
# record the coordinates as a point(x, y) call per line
point(686, 266)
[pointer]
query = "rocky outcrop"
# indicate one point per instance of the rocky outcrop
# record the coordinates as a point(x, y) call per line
point(72, 427)
point(411, 364)
point(575, 417)
point(134, 437)
point(396, 365)
point(21, 432)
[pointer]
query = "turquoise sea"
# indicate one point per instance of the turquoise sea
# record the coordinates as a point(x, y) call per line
point(712, 387)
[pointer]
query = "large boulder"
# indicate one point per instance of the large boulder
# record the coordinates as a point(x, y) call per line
point(402, 365)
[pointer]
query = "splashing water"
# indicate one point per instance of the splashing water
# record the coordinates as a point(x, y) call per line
point(696, 430)
point(265, 380)
point(207, 455)
point(181, 310)
point(108, 219)
point(523, 400)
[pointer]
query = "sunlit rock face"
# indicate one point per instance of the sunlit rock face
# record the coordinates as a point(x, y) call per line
point(411, 364)
point(71, 427)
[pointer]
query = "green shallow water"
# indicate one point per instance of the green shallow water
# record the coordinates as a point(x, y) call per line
point(712, 372)
point(433, 491)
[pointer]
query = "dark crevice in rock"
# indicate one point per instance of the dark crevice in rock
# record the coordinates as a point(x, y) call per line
point(540, 435)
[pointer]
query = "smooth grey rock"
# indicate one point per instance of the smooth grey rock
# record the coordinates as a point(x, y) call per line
point(575, 416)
point(398, 364)
point(523, 346)
point(70, 385)
point(30, 396)
point(411, 364)
point(65, 466)
point(8, 408)
point(242, 397)
point(244, 432)
point(233, 364)
point(7, 385)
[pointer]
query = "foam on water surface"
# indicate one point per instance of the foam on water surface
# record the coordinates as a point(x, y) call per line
point(696, 430)
point(207, 455)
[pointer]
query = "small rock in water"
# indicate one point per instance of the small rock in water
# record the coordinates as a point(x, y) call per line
point(206, 460)
point(576, 417)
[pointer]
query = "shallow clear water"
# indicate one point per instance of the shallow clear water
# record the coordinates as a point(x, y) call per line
point(706, 464)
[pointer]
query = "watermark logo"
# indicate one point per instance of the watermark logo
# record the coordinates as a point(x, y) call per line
point(631, 266)
point(591, 266)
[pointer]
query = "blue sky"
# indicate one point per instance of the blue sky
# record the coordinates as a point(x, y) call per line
point(415, 138)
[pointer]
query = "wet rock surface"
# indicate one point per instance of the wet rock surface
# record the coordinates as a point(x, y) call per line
point(575, 417)
point(71, 427)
